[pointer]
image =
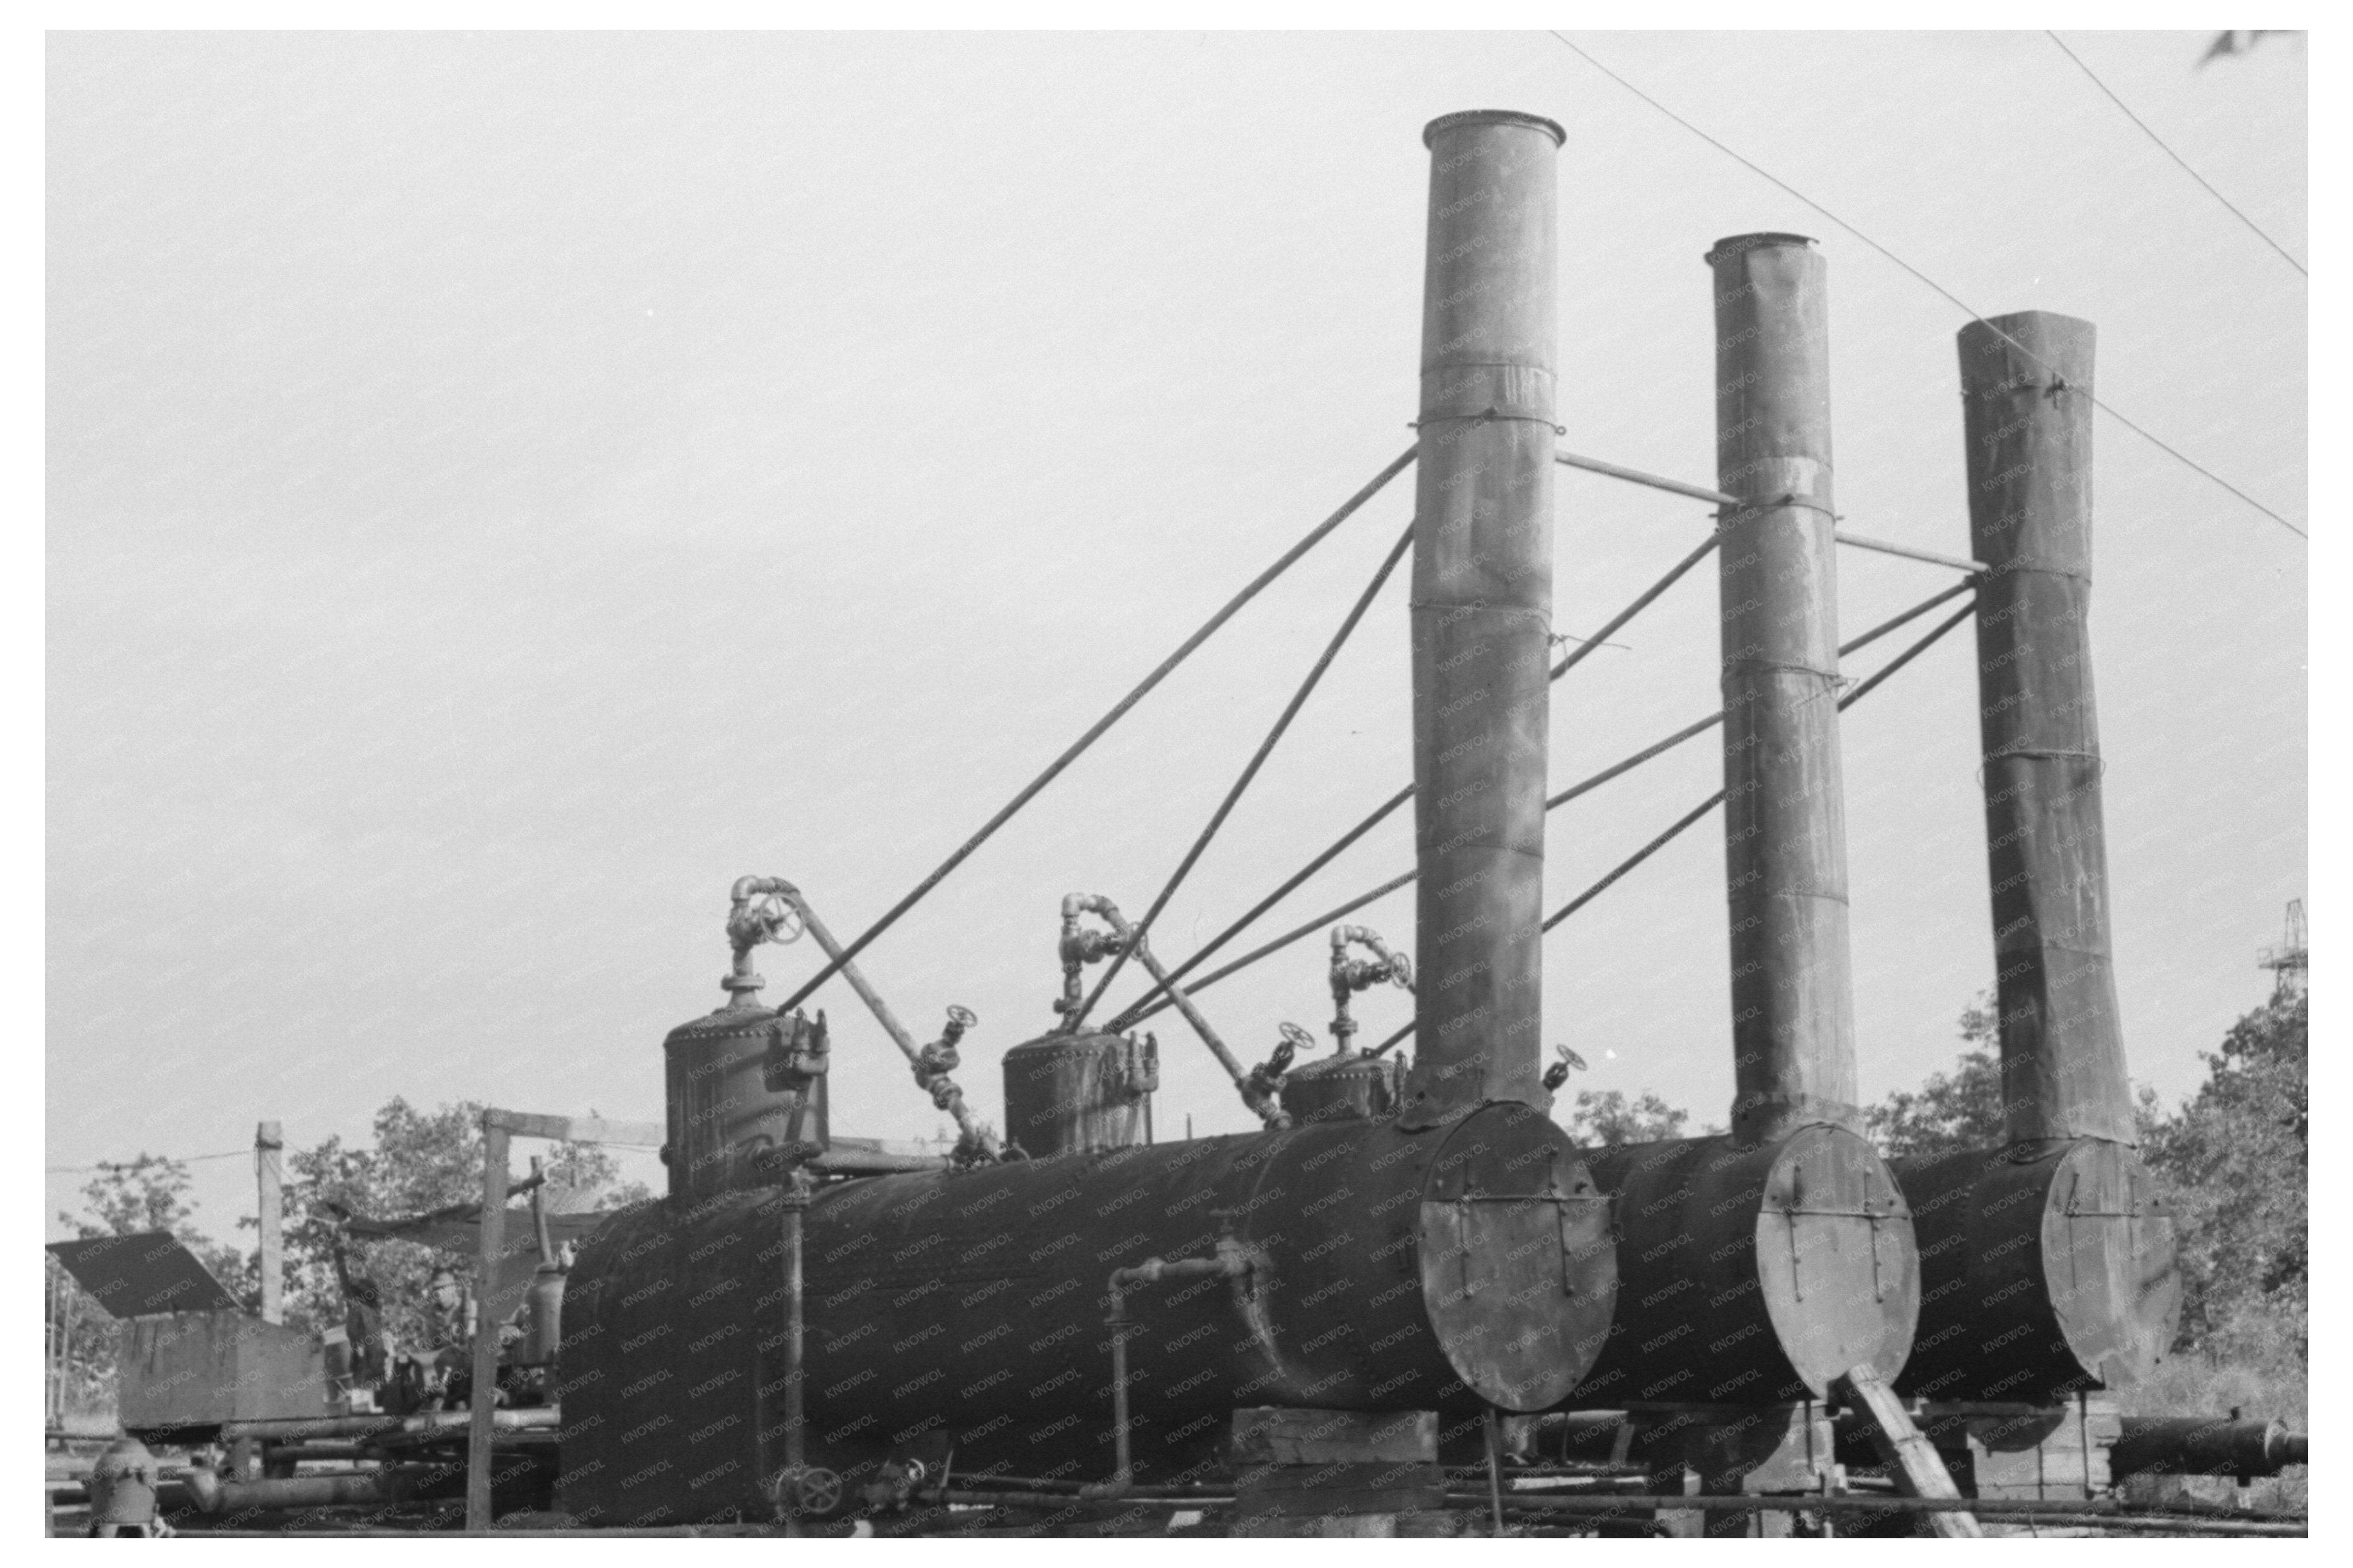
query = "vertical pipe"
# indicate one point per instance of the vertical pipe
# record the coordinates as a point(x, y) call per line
point(1483, 611)
point(268, 1140)
point(1784, 811)
point(1122, 1475)
point(795, 1207)
point(485, 1331)
point(2026, 386)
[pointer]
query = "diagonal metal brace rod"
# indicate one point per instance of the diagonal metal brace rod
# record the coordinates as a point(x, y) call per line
point(929, 1074)
point(1148, 1007)
point(1072, 1021)
point(1701, 492)
point(1149, 1002)
point(1397, 464)
point(1077, 951)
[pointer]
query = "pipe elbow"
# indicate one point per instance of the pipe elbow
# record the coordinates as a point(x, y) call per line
point(204, 1486)
point(748, 887)
point(1077, 904)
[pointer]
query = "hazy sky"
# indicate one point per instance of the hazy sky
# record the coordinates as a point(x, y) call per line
point(502, 488)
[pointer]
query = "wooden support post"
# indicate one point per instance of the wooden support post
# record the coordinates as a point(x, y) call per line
point(486, 1329)
point(53, 1321)
point(268, 1144)
point(1912, 1460)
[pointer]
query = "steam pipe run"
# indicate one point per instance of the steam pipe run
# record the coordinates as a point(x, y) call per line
point(1349, 975)
point(545, 1417)
point(748, 926)
point(1081, 947)
point(2056, 1512)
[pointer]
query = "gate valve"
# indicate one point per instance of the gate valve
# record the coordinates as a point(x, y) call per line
point(1080, 946)
point(761, 909)
point(893, 1485)
point(805, 1491)
point(1352, 975)
point(1266, 1079)
point(1558, 1074)
point(935, 1061)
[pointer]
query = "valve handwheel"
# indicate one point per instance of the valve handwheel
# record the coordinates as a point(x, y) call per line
point(783, 922)
point(1297, 1038)
point(811, 1489)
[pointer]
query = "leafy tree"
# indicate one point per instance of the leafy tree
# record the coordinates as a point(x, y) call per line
point(417, 1162)
point(1959, 1109)
point(420, 1161)
point(147, 1192)
point(1608, 1119)
point(2235, 1162)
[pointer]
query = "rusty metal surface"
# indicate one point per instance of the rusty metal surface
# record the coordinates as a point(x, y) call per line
point(1078, 1094)
point(1753, 1275)
point(2045, 1270)
point(970, 1304)
point(1347, 1083)
point(2027, 417)
point(1785, 806)
point(143, 1273)
point(2204, 1446)
point(729, 1114)
point(1481, 611)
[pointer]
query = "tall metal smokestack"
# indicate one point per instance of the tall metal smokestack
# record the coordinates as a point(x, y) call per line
point(2026, 389)
point(1785, 807)
point(1483, 611)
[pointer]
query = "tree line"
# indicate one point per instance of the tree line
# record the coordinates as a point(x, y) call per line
point(2232, 1161)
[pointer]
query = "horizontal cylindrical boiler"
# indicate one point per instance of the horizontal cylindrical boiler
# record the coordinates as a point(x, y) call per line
point(1753, 1275)
point(1387, 1271)
point(2045, 1269)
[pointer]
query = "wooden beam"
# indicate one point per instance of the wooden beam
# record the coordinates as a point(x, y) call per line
point(486, 1329)
point(1917, 1470)
point(269, 1142)
point(576, 1129)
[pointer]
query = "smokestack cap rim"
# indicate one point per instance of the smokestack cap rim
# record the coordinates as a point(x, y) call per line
point(1492, 117)
point(1733, 245)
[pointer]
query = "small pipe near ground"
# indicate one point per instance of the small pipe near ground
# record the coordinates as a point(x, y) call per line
point(2101, 1511)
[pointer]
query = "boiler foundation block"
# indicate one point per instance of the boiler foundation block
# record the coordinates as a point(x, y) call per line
point(1337, 1474)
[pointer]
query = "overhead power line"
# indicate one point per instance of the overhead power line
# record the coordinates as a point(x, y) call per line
point(2138, 429)
point(2252, 227)
point(146, 1159)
